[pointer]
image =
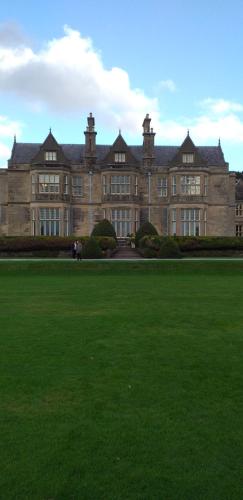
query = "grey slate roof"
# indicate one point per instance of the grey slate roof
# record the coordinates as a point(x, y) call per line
point(25, 152)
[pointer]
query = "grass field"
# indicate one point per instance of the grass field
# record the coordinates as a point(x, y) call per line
point(121, 380)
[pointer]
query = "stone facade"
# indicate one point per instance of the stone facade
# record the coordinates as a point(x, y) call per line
point(53, 189)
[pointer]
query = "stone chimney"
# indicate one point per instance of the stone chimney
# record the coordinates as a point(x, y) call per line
point(148, 142)
point(90, 139)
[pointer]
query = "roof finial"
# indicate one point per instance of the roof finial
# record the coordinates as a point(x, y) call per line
point(119, 131)
point(188, 132)
point(50, 130)
point(219, 143)
point(14, 138)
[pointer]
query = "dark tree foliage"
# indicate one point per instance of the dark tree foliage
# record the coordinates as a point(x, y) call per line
point(146, 229)
point(92, 249)
point(104, 228)
point(169, 249)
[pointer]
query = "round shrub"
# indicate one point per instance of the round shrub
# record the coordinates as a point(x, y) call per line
point(91, 249)
point(153, 242)
point(104, 228)
point(106, 242)
point(169, 249)
point(150, 253)
point(146, 229)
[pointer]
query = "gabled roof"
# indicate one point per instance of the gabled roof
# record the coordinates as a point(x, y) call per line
point(188, 146)
point(49, 144)
point(120, 146)
point(74, 153)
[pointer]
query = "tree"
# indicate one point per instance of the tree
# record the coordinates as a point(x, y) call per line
point(146, 229)
point(104, 228)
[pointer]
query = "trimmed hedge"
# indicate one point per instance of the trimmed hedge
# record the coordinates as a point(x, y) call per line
point(53, 244)
point(91, 249)
point(169, 249)
point(190, 245)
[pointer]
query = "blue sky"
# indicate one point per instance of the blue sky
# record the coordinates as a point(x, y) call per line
point(179, 61)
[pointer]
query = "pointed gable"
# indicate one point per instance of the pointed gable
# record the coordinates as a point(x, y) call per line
point(120, 154)
point(50, 152)
point(188, 155)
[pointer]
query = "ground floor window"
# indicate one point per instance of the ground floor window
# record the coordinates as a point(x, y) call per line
point(239, 230)
point(190, 222)
point(49, 220)
point(121, 221)
point(173, 221)
point(66, 222)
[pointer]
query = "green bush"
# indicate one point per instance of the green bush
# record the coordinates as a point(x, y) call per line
point(146, 229)
point(91, 249)
point(104, 228)
point(207, 245)
point(169, 249)
point(194, 243)
point(35, 243)
point(106, 242)
point(150, 253)
point(153, 242)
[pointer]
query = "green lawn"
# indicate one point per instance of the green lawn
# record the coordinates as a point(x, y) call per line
point(121, 380)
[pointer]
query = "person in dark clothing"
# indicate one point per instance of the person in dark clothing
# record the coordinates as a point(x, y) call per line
point(78, 250)
point(74, 247)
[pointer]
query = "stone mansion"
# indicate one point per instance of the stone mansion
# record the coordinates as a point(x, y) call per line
point(64, 189)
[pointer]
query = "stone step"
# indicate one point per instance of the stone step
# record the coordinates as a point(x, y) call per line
point(123, 242)
point(126, 253)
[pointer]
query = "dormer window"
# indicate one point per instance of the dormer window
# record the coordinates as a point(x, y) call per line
point(120, 157)
point(187, 158)
point(50, 155)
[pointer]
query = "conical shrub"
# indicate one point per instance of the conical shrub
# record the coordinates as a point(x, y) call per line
point(104, 228)
point(169, 249)
point(146, 229)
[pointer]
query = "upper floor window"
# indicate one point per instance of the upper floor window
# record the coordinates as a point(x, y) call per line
point(205, 185)
point(120, 184)
point(120, 157)
point(33, 183)
point(187, 158)
point(77, 186)
point(173, 185)
point(239, 210)
point(49, 183)
point(50, 155)
point(190, 184)
point(162, 186)
point(104, 183)
point(136, 185)
point(65, 184)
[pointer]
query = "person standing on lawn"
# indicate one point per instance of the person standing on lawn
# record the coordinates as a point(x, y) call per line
point(78, 250)
point(74, 245)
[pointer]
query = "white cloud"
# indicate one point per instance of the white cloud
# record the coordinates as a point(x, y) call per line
point(220, 106)
point(166, 85)
point(8, 129)
point(5, 153)
point(68, 75)
point(216, 118)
